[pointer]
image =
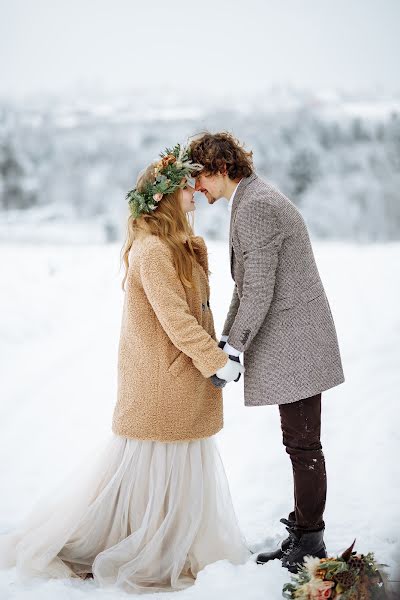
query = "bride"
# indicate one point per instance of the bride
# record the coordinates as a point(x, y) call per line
point(154, 507)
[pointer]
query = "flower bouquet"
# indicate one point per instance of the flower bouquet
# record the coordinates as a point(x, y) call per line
point(350, 576)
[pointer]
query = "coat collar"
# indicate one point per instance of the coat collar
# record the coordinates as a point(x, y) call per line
point(200, 248)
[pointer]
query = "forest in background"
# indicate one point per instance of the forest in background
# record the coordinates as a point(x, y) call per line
point(71, 162)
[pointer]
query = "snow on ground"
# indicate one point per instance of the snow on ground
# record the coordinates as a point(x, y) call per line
point(60, 310)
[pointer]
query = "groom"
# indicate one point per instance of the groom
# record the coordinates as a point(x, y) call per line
point(280, 318)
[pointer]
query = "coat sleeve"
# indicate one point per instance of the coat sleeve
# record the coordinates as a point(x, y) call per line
point(233, 308)
point(260, 240)
point(167, 297)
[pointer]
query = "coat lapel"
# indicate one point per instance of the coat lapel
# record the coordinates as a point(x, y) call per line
point(200, 249)
point(236, 200)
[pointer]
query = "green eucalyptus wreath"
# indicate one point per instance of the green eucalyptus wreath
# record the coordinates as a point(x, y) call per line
point(173, 166)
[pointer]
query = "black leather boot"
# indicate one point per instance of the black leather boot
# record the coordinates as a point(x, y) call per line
point(265, 557)
point(303, 543)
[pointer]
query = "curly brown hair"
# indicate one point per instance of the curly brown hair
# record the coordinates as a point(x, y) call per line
point(220, 151)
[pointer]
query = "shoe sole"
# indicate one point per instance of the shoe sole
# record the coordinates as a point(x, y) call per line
point(264, 562)
point(294, 567)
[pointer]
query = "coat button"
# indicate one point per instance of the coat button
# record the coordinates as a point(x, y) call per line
point(203, 306)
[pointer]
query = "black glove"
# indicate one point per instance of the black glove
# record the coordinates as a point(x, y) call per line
point(217, 382)
point(237, 359)
point(221, 344)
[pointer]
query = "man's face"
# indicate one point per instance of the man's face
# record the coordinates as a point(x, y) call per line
point(212, 186)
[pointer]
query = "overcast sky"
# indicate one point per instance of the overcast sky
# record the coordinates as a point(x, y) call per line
point(213, 45)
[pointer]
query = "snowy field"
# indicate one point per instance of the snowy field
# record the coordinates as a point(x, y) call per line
point(60, 310)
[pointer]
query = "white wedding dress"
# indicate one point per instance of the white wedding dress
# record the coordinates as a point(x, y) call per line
point(143, 516)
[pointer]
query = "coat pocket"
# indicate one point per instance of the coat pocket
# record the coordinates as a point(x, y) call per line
point(281, 304)
point(179, 364)
point(314, 291)
point(298, 299)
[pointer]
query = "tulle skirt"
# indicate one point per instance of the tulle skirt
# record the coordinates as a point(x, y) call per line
point(145, 516)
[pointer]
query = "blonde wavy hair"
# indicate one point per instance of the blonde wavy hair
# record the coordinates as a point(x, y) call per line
point(170, 223)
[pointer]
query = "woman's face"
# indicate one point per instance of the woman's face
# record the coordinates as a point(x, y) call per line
point(187, 200)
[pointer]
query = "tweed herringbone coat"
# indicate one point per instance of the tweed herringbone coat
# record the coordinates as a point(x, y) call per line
point(167, 349)
point(279, 314)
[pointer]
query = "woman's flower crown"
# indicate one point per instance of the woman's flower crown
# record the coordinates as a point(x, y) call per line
point(174, 166)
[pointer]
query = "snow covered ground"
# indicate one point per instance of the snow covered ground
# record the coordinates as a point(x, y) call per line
point(60, 309)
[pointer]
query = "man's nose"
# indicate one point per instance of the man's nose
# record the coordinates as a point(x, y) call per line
point(197, 185)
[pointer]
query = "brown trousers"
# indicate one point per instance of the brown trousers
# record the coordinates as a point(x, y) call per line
point(301, 430)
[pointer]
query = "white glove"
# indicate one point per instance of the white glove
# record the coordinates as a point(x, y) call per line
point(230, 371)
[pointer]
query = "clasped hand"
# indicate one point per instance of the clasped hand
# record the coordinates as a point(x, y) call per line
point(229, 372)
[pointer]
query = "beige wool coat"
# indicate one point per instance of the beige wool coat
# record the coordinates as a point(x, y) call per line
point(167, 349)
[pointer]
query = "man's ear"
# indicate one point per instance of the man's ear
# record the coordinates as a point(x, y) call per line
point(223, 170)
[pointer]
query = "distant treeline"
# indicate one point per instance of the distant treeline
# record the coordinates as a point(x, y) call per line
point(343, 172)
